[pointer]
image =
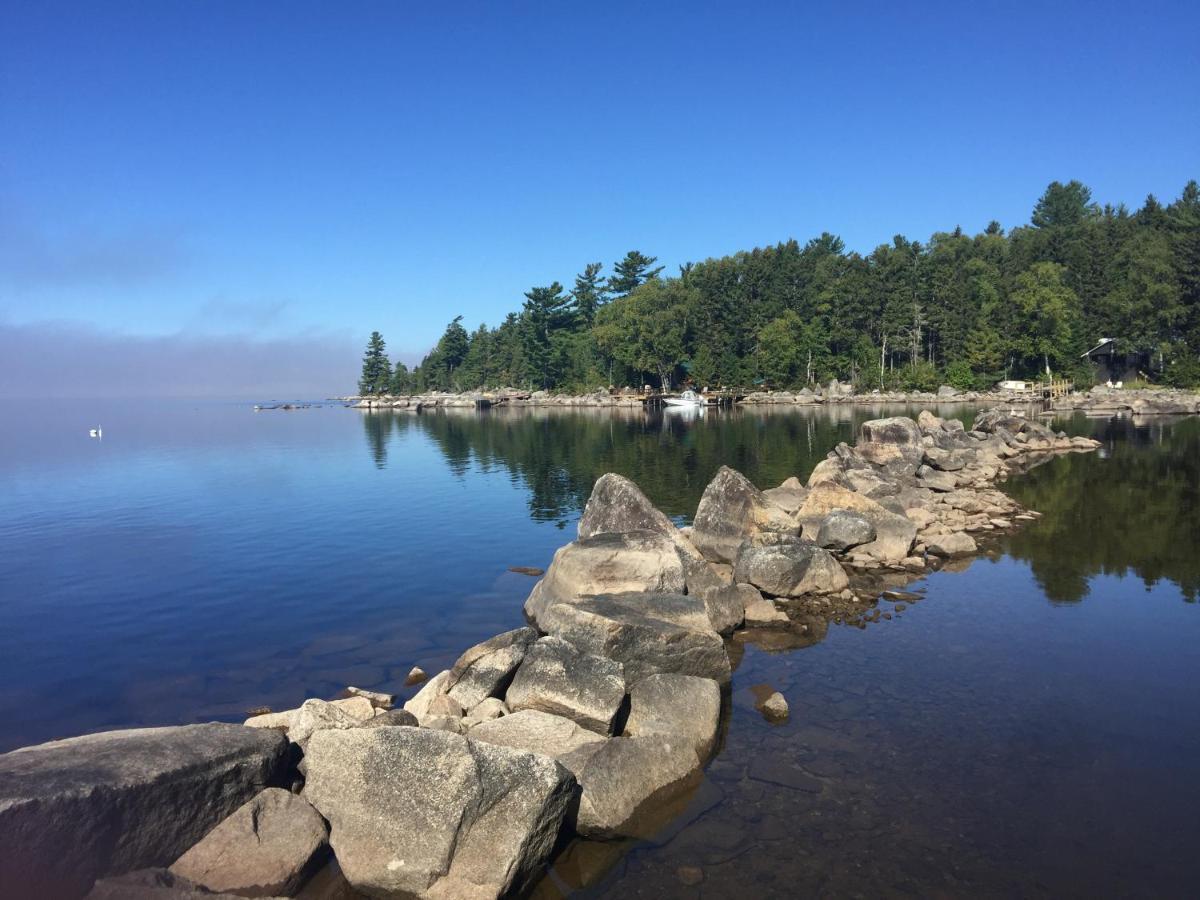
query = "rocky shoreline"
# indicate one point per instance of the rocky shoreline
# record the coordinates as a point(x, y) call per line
point(833, 393)
point(1108, 401)
point(594, 719)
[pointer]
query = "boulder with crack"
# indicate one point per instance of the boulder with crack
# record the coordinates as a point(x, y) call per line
point(731, 510)
point(631, 561)
point(415, 812)
point(558, 678)
point(76, 809)
point(486, 668)
point(269, 846)
point(646, 633)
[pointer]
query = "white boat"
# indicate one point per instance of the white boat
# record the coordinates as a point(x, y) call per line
point(686, 400)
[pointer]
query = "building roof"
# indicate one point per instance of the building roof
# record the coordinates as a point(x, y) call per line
point(1104, 342)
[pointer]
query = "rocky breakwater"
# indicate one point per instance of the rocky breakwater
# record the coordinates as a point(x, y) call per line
point(596, 718)
point(494, 398)
point(1102, 400)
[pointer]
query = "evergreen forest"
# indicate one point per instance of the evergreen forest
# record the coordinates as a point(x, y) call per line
point(958, 309)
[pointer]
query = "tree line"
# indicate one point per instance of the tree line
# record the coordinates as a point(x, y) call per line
point(967, 310)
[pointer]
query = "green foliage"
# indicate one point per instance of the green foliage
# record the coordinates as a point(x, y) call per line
point(376, 370)
point(968, 309)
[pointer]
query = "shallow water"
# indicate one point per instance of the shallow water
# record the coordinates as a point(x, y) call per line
point(1031, 726)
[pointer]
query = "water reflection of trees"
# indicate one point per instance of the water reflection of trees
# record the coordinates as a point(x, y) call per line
point(1132, 507)
point(557, 455)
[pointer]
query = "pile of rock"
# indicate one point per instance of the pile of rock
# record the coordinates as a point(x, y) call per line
point(596, 718)
point(1110, 401)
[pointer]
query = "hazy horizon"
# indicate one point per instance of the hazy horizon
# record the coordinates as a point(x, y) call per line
point(227, 196)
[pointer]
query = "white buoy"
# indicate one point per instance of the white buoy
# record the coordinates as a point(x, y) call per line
point(96, 432)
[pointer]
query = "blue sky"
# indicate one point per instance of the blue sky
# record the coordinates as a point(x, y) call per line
point(307, 172)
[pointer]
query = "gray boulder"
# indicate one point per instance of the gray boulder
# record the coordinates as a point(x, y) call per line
point(946, 391)
point(627, 785)
point(392, 718)
point(731, 510)
point(318, 715)
point(726, 607)
point(539, 732)
point(617, 506)
point(435, 687)
point(483, 670)
point(632, 561)
point(788, 566)
point(421, 813)
point(948, 460)
point(646, 633)
point(557, 678)
point(269, 846)
point(942, 482)
point(956, 543)
point(76, 809)
point(676, 706)
point(894, 533)
point(898, 430)
point(843, 529)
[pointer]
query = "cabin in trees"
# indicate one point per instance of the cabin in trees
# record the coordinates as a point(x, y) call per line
point(1112, 362)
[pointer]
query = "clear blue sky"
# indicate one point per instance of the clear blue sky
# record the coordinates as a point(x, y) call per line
point(312, 171)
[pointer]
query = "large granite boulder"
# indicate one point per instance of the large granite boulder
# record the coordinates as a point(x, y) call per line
point(631, 561)
point(617, 506)
point(558, 678)
point(948, 460)
point(646, 633)
point(731, 510)
point(539, 732)
point(843, 529)
point(676, 706)
point(627, 784)
point(268, 847)
point(789, 496)
point(788, 566)
point(894, 533)
point(898, 430)
point(486, 668)
point(109, 803)
point(415, 812)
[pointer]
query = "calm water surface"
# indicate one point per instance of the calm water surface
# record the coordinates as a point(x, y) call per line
point(1031, 727)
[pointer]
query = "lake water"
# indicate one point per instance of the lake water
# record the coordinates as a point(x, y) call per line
point(1032, 726)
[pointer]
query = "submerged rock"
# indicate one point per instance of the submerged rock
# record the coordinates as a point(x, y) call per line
point(423, 813)
point(268, 846)
point(76, 809)
point(152, 884)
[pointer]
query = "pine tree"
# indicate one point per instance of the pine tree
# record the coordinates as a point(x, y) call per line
point(632, 271)
point(376, 370)
point(547, 311)
point(589, 293)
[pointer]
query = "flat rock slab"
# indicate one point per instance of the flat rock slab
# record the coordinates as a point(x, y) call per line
point(676, 706)
point(415, 812)
point(646, 633)
point(269, 846)
point(73, 810)
point(557, 678)
point(539, 732)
